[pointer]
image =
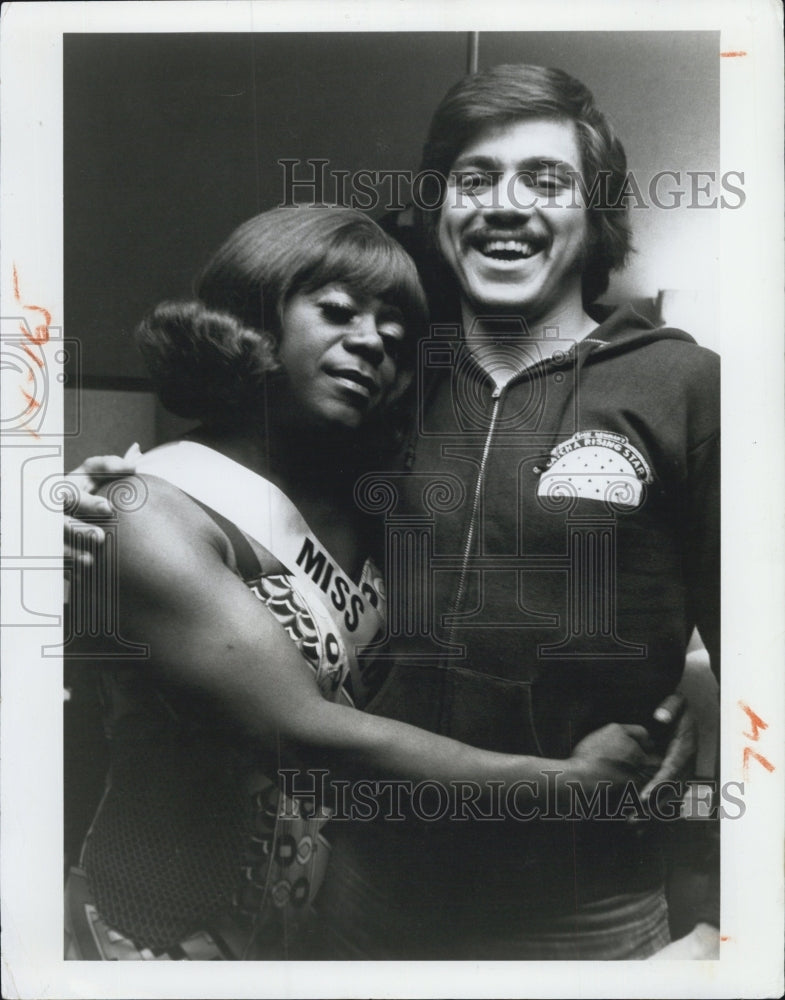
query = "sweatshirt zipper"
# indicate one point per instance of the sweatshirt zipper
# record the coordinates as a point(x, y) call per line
point(496, 395)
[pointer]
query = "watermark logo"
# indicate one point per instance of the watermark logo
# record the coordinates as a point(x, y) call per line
point(550, 797)
point(311, 182)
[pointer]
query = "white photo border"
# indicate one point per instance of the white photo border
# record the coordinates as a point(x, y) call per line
point(751, 310)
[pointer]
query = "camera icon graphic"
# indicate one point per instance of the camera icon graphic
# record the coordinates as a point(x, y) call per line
point(508, 354)
point(29, 371)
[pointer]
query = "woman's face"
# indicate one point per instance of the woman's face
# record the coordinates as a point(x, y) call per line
point(339, 350)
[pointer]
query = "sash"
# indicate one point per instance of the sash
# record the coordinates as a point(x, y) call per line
point(261, 510)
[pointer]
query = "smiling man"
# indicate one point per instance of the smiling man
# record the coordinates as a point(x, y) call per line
point(569, 556)
point(511, 229)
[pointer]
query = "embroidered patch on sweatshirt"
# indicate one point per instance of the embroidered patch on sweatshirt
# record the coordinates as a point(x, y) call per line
point(595, 465)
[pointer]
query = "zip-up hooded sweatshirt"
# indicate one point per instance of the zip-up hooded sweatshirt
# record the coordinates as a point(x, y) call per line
point(564, 536)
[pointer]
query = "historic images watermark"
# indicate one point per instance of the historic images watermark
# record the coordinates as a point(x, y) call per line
point(309, 182)
point(32, 354)
point(552, 797)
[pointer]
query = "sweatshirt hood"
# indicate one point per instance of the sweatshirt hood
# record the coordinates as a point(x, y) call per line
point(626, 329)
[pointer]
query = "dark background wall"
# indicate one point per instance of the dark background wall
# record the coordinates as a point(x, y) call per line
point(171, 140)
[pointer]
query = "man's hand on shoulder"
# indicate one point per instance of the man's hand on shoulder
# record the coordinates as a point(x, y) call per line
point(83, 506)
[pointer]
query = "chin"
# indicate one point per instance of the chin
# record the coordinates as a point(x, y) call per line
point(343, 422)
point(496, 301)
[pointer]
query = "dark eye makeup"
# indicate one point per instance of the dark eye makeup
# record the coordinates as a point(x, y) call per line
point(389, 322)
point(337, 312)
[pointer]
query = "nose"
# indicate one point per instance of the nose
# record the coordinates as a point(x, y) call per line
point(512, 196)
point(363, 338)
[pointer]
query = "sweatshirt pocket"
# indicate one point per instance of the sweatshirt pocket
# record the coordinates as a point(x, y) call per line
point(489, 712)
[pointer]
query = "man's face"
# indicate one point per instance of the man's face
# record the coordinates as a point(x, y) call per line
point(513, 226)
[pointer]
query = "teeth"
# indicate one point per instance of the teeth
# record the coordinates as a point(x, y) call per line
point(515, 247)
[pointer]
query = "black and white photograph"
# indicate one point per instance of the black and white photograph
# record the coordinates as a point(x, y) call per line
point(392, 450)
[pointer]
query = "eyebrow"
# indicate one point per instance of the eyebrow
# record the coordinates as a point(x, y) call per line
point(490, 163)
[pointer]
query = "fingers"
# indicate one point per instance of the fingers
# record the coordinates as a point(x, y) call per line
point(105, 465)
point(642, 758)
point(112, 463)
point(78, 534)
point(679, 754)
point(86, 505)
point(670, 709)
point(674, 734)
point(641, 736)
point(93, 471)
point(649, 767)
point(81, 540)
point(85, 480)
point(80, 545)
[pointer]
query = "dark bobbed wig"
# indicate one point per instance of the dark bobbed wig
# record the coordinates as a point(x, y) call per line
point(506, 94)
point(209, 359)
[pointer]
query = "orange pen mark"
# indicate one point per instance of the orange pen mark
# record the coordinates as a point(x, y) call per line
point(757, 722)
point(31, 405)
point(30, 399)
point(749, 752)
point(724, 937)
point(41, 333)
point(732, 55)
point(34, 340)
point(35, 358)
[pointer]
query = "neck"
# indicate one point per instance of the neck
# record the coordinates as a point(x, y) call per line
point(305, 472)
point(302, 464)
point(557, 330)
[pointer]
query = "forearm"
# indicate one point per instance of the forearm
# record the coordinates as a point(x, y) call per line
point(210, 636)
point(353, 745)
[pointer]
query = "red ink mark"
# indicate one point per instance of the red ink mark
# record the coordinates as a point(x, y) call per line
point(757, 722)
point(35, 358)
point(724, 937)
point(41, 334)
point(30, 399)
point(749, 752)
point(732, 55)
point(32, 404)
point(758, 725)
point(34, 340)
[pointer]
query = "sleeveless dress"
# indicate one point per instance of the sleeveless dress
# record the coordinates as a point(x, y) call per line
point(194, 852)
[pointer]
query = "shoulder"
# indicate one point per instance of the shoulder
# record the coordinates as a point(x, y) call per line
point(693, 360)
point(632, 336)
point(688, 371)
point(694, 373)
point(155, 520)
point(667, 363)
point(142, 496)
point(640, 346)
